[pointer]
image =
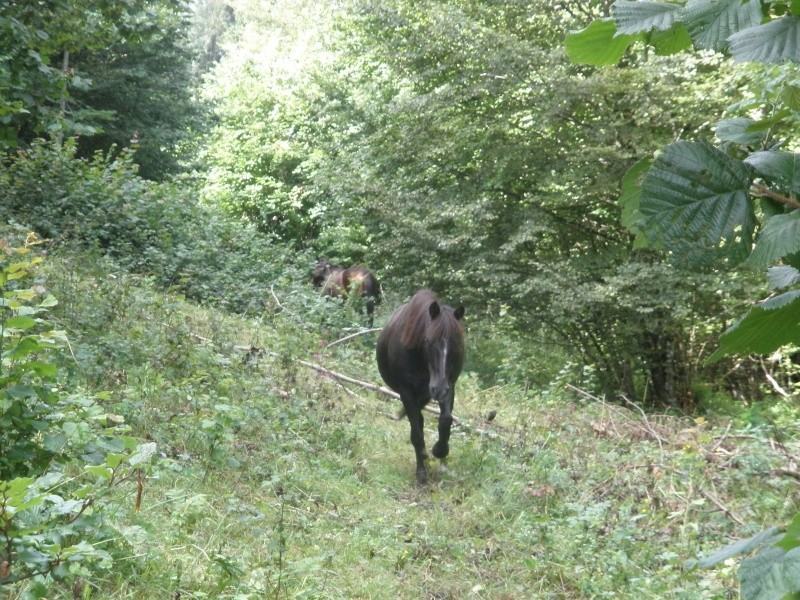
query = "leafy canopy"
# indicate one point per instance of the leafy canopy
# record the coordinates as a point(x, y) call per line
point(736, 202)
point(703, 204)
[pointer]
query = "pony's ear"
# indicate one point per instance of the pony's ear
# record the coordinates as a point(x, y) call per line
point(459, 313)
point(434, 310)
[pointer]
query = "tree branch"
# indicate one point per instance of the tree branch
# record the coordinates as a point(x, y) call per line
point(762, 190)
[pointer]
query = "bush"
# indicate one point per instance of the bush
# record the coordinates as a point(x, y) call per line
point(158, 229)
point(63, 454)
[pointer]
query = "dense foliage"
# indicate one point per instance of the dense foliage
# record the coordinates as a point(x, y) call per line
point(449, 144)
point(453, 145)
point(114, 73)
point(704, 204)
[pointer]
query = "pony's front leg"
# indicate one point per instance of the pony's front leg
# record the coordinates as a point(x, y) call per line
point(442, 447)
point(418, 441)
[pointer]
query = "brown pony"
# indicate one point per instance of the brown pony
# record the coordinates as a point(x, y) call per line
point(337, 281)
point(420, 355)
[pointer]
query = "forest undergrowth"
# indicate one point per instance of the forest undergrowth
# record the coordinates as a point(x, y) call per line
point(274, 481)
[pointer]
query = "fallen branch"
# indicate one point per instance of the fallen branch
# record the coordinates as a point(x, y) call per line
point(786, 473)
point(369, 386)
point(347, 338)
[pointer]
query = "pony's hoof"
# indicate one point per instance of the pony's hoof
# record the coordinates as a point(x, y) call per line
point(422, 477)
point(440, 450)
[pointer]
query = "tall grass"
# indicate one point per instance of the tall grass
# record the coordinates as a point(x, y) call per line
point(276, 482)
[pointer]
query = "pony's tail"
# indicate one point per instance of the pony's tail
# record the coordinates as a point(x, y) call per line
point(372, 293)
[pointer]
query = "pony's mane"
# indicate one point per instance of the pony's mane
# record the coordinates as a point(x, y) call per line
point(417, 319)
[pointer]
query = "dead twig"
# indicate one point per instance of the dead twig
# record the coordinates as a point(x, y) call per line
point(720, 440)
point(366, 385)
point(274, 297)
point(646, 424)
point(708, 496)
point(773, 382)
point(578, 390)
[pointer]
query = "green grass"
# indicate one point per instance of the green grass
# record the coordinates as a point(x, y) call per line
point(276, 482)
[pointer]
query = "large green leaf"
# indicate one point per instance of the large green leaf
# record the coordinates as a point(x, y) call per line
point(753, 572)
point(597, 44)
point(768, 326)
point(782, 168)
point(779, 237)
point(711, 22)
point(631, 198)
point(673, 40)
point(642, 17)
point(695, 201)
point(632, 192)
point(773, 42)
point(783, 579)
point(738, 130)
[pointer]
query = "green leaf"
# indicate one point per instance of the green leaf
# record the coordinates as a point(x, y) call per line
point(16, 489)
point(779, 237)
point(791, 540)
point(674, 40)
point(711, 22)
point(741, 547)
point(19, 323)
point(783, 578)
point(738, 130)
point(777, 167)
point(42, 369)
point(782, 276)
point(765, 328)
point(55, 442)
point(770, 122)
point(143, 453)
point(49, 302)
point(113, 459)
point(773, 42)
point(641, 17)
point(753, 572)
point(100, 471)
point(631, 194)
point(695, 201)
point(790, 96)
point(26, 346)
point(597, 44)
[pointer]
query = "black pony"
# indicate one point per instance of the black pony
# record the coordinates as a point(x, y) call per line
point(337, 281)
point(420, 355)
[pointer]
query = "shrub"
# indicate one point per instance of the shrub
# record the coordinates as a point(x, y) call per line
point(62, 453)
